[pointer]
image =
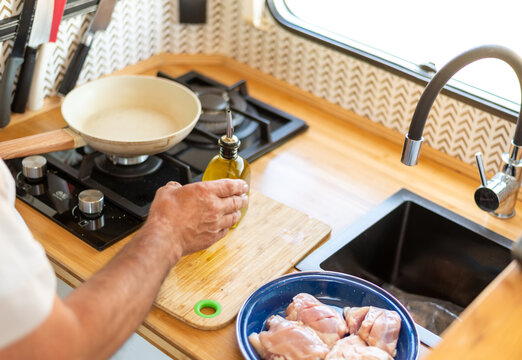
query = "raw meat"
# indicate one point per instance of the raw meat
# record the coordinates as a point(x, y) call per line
point(354, 317)
point(369, 320)
point(354, 348)
point(385, 332)
point(328, 323)
point(288, 340)
point(315, 331)
point(379, 328)
point(352, 340)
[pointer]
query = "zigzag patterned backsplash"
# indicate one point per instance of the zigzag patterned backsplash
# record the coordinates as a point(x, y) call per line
point(140, 29)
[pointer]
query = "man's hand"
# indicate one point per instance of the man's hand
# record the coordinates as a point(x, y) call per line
point(195, 216)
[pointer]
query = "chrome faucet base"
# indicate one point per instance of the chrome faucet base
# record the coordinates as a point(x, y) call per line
point(498, 196)
point(503, 216)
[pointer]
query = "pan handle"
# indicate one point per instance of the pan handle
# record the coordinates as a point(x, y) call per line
point(56, 140)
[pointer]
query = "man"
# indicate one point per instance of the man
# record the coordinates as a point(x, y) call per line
point(97, 317)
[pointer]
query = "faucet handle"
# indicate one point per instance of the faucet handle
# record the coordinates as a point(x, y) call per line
point(497, 195)
point(486, 197)
point(481, 169)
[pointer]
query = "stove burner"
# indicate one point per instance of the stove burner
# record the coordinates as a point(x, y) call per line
point(214, 103)
point(107, 166)
point(127, 161)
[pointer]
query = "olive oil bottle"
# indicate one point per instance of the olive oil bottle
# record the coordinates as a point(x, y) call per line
point(228, 163)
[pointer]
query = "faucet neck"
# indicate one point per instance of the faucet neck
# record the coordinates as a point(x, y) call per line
point(446, 73)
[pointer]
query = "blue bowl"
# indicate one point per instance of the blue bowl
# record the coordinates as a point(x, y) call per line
point(335, 289)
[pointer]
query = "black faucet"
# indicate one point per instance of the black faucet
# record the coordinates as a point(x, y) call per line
point(498, 195)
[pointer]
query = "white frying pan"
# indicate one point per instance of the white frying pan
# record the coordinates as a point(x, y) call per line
point(124, 116)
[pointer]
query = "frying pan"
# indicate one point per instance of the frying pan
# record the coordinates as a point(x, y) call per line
point(124, 116)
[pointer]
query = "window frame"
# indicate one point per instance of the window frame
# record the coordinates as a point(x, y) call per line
point(420, 74)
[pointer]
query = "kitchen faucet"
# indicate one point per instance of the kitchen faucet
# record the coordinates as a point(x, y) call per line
point(499, 194)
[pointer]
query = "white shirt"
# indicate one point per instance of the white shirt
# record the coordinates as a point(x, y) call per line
point(27, 280)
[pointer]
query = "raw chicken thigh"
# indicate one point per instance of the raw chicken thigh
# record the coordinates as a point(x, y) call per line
point(328, 323)
point(288, 340)
point(379, 327)
point(354, 317)
point(354, 348)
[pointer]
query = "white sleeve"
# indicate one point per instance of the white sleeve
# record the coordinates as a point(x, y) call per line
point(27, 280)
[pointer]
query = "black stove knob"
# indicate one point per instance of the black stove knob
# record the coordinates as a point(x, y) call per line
point(34, 167)
point(90, 202)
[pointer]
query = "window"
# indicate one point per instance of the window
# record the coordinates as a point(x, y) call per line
point(401, 35)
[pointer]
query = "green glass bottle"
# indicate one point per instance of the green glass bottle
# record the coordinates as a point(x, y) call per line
point(228, 163)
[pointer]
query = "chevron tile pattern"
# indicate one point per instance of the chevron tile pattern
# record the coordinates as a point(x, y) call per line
point(140, 29)
point(9, 8)
point(134, 34)
point(69, 36)
point(168, 23)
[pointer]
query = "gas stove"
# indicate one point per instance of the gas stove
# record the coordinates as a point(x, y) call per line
point(102, 199)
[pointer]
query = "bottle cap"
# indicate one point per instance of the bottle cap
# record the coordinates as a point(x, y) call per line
point(228, 147)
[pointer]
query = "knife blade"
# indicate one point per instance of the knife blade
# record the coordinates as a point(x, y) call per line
point(16, 58)
point(40, 32)
point(45, 52)
point(100, 22)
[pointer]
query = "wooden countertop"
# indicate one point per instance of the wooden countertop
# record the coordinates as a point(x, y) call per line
point(336, 171)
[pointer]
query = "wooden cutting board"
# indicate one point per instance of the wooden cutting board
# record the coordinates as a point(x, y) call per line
point(267, 243)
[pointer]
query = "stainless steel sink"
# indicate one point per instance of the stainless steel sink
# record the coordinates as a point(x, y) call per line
point(432, 259)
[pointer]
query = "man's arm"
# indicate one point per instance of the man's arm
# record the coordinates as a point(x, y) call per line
point(96, 318)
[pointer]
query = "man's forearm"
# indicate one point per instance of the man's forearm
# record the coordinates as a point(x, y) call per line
point(112, 304)
point(97, 317)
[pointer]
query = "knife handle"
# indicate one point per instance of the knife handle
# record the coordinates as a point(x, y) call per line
point(75, 67)
point(36, 93)
point(24, 81)
point(6, 87)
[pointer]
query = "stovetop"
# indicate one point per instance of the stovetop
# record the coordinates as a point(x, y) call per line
point(129, 190)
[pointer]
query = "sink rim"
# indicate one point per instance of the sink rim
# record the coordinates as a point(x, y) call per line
point(313, 260)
